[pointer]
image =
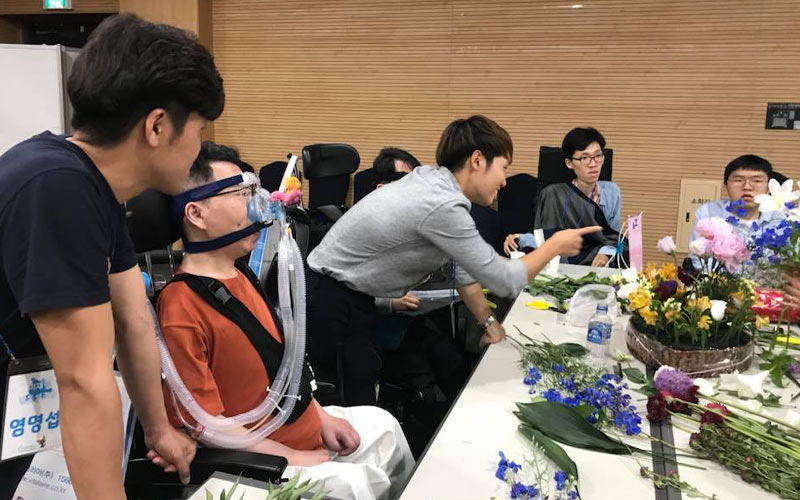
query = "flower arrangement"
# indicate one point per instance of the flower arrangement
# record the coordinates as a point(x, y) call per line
point(780, 243)
point(708, 306)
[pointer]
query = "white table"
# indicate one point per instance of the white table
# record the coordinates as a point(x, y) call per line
point(461, 460)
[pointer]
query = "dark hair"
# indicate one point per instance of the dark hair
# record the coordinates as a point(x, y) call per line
point(201, 172)
point(130, 67)
point(579, 139)
point(463, 136)
point(748, 162)
point(383, 166)
point(246, 167)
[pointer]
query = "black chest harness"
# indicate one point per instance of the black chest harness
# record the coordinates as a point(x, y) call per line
point(270, 350)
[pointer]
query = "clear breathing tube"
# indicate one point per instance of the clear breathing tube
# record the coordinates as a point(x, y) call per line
point(230, 432)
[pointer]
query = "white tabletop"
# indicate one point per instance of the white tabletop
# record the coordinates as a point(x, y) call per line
point(461, 461)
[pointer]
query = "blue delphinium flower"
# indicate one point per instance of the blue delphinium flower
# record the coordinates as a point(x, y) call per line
point(568, 383)
point(755, 226)
point(731, 220)
point(533, 377)
point(558, 368)
point(561, 478)
point(552, 395)
point(790, 205)
point(736, 207)
point(502, 467)
point(573, 494)
point(572, 401)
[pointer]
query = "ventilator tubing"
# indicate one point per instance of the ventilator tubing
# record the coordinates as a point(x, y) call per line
point(230, 432)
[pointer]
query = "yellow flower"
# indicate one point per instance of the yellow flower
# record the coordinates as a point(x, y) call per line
point(668, 272)
point(639, 299)
point(762, 321)
point(650, 272)
point(648, 315)
point(737, 298)
point(702, 304)
point(672, 311)
point(704, 322)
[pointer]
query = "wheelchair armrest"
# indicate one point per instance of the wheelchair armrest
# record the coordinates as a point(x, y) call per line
point(267, 468)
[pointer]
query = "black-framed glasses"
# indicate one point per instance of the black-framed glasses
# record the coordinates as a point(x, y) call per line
point(585, 160)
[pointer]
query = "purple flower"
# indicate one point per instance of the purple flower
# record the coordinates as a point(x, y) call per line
point(672, 380)
point(793, 368)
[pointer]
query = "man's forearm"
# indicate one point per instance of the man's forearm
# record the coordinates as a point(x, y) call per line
point(473, 298)
point(140, 364)
point(91, 434)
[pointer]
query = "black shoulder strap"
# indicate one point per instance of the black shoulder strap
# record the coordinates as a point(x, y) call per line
point(269, 350)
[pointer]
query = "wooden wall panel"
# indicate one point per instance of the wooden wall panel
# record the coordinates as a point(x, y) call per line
point(78, 6)
point(678, 88)
point(10, 32)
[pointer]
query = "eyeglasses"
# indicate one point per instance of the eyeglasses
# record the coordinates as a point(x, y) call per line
point(755, 182)
point(586, 160)
point(245, 192)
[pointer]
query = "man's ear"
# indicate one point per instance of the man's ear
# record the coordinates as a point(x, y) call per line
point(157, 127)
point(568, 163)
point(195, 214)
point(477, 160)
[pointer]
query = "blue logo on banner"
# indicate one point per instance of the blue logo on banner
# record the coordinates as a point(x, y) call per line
point(38, 389)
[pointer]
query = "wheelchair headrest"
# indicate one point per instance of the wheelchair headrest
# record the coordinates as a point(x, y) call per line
point(553, 170)
point(326, 160)
point(149, 221)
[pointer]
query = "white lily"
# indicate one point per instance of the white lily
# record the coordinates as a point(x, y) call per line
point(779, 195)
point(745, 386)
point(718, 309)
point(753, 405)
point(704, 386)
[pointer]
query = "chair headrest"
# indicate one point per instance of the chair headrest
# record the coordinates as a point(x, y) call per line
point(149, 221)
point(326, 160)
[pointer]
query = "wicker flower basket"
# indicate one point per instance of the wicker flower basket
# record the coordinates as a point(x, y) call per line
point(696, 363)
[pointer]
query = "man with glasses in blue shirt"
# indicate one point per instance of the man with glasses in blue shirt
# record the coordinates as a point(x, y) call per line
point(745, 177)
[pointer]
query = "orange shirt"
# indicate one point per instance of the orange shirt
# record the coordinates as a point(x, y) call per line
point(218, 363)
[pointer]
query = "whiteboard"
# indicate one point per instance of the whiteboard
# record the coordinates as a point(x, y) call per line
point(33, 91)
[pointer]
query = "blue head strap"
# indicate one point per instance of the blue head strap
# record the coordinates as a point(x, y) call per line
point(180, 201)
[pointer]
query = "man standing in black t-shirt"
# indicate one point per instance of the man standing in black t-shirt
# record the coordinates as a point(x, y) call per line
point(142, 93)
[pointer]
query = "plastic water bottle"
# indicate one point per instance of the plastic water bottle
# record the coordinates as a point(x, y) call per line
point(598, 337)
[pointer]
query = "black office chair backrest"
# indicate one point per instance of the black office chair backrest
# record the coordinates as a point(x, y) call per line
point(552, 169)
point(271, 175)
point(516, 203)
point(363, 184)
point(327, 167)
point(778, 177)
point(487, 221)
point(150, 221)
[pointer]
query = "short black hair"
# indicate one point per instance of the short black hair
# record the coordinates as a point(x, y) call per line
point(130, 67)
point(466, 135)
point(383, 166)
point(246, 167)
point(748, 162)
point(210, 151)
point(579, 139)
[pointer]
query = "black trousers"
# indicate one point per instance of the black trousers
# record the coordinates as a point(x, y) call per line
point(339, 331)
point(11, 473)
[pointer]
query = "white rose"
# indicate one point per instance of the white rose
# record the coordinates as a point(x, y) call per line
point(626, 289)
point(704, 387)
point(698, 247)
point(718, 309)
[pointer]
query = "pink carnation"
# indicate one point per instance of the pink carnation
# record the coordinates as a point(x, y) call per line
point(712, 228)
point(731, 250)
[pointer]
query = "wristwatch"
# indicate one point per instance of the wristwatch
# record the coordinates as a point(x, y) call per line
point(486, 324)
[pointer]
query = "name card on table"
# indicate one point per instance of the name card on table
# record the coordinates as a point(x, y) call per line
point(635, 242)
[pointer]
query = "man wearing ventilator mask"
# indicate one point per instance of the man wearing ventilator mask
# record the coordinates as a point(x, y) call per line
point(235, 372)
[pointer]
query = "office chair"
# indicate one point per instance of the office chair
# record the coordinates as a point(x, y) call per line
point(363, 184)
point(271, 175)
point(516, 203)
point(327, 167)
point(487, 220)
point(553, 170)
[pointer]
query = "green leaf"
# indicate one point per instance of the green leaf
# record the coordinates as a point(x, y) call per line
point(647, 389)
point(573, 349)
point(776, 374)
point(553, 451)
point(565, 425)
point(584, 410)
point(209, 495)
point(772, 400)
point(635, 375)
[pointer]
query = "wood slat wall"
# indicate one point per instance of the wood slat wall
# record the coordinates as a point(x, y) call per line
point(78, 6)
point(678, 88)
point(9, 32)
